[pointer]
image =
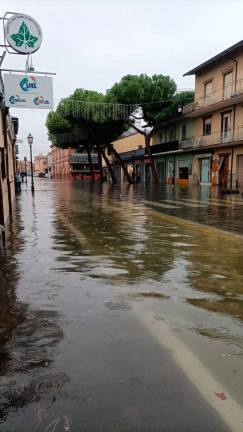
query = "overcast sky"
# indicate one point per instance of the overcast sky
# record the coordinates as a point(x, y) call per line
point(93, 43)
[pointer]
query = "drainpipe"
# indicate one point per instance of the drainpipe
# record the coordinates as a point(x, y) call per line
point(232, 152)
point(236, 69)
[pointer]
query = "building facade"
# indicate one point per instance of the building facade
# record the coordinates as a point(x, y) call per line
point(80, 167)
point(8, 132)
point(131, 149)
point(24, 166)
point(41, 164)
point(217, 146)
point(173, 164)
point(61, 167)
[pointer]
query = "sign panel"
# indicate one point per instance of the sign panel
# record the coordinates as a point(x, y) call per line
point(28, 91)
point(23, 33)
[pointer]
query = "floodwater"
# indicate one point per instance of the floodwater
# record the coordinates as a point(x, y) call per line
point(122, 311)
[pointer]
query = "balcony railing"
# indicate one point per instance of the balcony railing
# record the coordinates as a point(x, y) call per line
point(217, 95)
point(217, 138)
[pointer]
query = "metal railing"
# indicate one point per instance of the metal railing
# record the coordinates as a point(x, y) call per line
point(216, 138)
point(218, 94)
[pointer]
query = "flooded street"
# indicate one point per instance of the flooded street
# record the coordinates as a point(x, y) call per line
point(122, 311)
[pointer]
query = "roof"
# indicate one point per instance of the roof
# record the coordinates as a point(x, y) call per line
point(225, 53)
point(128, 132)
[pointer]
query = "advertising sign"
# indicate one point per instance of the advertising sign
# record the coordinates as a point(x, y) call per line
point(23, 33)
point(28, 91)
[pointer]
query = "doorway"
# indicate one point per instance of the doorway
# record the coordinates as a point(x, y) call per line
point(205, 170)
point(240, 172)
point(160, 168)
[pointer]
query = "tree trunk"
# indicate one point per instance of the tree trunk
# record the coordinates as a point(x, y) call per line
point(151, 159)
point(108, 165)
point(100, 163)
point(122, 163)
point(91, 168)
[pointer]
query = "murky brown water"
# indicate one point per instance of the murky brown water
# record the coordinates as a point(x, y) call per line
point(83, 268)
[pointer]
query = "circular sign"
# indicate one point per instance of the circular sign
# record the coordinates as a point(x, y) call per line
point(23, 33)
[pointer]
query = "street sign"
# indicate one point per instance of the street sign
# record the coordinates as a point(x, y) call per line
point(28, 91)
point(23, 33)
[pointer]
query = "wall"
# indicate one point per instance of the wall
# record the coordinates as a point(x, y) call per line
point(132, 142)
point(7, 184)
point(162, 136)
point(61, 161)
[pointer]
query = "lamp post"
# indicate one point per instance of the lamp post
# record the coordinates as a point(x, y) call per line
point(25, 168)
point(30, 141)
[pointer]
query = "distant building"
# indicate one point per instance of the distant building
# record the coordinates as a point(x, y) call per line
point(49, 164)
point(41, 164)
point(67, 163)
point(61, 167)
point(80, 168)
point(23, 166)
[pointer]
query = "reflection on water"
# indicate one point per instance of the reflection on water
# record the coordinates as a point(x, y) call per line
point(79, 258)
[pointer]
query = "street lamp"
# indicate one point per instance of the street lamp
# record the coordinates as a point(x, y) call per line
point(25, 168)
point(30, 141)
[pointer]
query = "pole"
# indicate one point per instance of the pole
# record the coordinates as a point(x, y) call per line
point(25, 167)
point(31, 167)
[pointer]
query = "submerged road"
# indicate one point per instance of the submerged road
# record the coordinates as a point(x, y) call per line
point(122, 310)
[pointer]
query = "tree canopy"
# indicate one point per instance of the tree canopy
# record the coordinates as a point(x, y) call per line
point(156, 95)
point(87, 117)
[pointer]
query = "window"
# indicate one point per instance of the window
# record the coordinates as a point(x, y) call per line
point(207, 124)
point(183, 132)
point(227, 133)
point(228, 85)
point(171, 134)
point(208, 88)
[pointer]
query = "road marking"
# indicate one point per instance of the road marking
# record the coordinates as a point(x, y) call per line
point(229, 410)
point(185, 203)
point(208, 230)
point(76, 232)
point(208, 203)
point(159, 204)
point(229, 201)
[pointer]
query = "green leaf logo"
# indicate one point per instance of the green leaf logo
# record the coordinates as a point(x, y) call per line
point(24, 37)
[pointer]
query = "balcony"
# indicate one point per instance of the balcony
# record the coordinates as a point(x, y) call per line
point(232, 136)
point(220, 97)
point(82, 158)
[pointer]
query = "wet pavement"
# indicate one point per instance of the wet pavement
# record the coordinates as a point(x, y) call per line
point(122, 310)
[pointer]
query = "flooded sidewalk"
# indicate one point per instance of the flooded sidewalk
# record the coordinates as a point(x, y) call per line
point(122, 310)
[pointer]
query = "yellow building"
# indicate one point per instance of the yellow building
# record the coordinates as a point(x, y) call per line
point(131, 149)
point(217, 146)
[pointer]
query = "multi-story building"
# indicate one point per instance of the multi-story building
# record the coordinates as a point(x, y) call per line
point(80, 167)
point(173, 164)
point(41, 164)
point(61, 161)
point(217, 145)
point(8, 132)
